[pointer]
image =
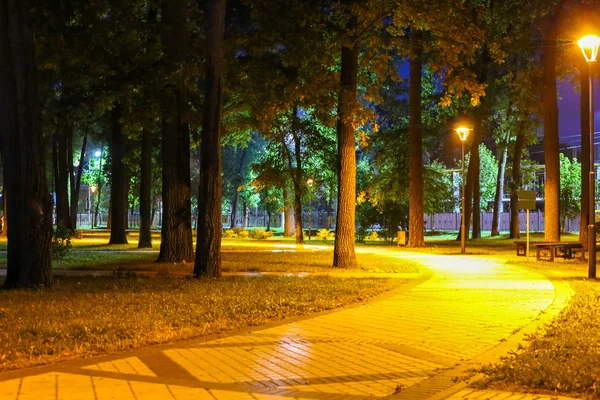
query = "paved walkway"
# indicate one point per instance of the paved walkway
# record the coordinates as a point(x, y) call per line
point(410, 345)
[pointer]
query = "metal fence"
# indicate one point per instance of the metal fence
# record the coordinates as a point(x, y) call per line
point(451, 222)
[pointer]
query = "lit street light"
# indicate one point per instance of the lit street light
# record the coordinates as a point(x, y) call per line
point(91, 203)
point(589, 46)
point(463, 134)
point(309, 182)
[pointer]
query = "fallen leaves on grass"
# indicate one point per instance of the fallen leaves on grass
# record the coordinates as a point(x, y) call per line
point(83, 316)
point(563, 357)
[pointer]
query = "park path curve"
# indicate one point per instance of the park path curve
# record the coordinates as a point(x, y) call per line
point(404, 345)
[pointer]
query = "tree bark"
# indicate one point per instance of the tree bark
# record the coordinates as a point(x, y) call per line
point(469, 189)
point(298, 181)
point(118, 187)
point(515, 228)
point(343, 251)
point(498, 206)
point(288, 221)
point(476, 163)
point(210, 230)
point(145, 239)
point(584, 106)
point(61, 174)
point(244, 215)
point(29, 238)
point(76, 184)
point(176, 234)
point(416, 211)
point(551, 142)
point(238, 183)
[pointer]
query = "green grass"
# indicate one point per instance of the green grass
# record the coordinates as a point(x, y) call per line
point(86, 316)
point(562, 357)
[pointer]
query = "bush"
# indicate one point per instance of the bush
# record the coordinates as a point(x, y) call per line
point(61, 242)
point(373, 236)
point(243, 233)
point(229, 234)
point(325, 234)
point(260, 234)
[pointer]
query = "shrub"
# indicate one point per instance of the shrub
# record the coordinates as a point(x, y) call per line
point(260, 234)
point(373, 236)
point(243, 233)
point(61, 242)
point(229, 234)
point(325, 234)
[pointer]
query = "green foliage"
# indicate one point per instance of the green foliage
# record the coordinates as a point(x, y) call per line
point(260, 234)
point(570, 187)
point(61, 242)
point(325, 234)
point(438, 189)
point(488, 175)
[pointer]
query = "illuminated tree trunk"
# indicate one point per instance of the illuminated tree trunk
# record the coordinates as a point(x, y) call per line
point(76, 182)
point(30, 204)
point(176, 233)
point(237, 184)
point(208, 248)
point(498, 206)
point(551, 142)
point(416, 209)
point(288, 222)
point(515, 228)
point(584, 105)
point(476, 163)
point(343, 251)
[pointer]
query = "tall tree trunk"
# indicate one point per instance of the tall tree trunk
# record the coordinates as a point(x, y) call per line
point(76, 184)
point(176, 234)
point(118, 187)
point(343, 251)
point(244, 215)
point(238, 183)
point(61, 174)
point(515, 228)
point(145, 240)
point(469, 190)
point(416, 209)
point(210, 230)
point(298, 181)
point(551, 142)
point(4, 217)
point(268, 220)
point(476, 163)
point(288, 214)
point(30, 204)
point(498, 205)
point(584, 106)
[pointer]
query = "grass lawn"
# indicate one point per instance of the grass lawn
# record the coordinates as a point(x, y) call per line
point(85, 316)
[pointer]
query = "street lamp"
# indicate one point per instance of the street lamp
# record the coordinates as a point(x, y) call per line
point(589, 46)
point(91, 202)
point(463, 134)
point(309, 182)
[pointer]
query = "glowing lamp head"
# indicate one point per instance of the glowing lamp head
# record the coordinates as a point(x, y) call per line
point(310, 181)
point(93, 188)
point(76, 163)
point(463, 133)
point(98, 153)
point(589, 46)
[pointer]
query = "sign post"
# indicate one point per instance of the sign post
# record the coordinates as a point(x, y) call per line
point(527, 202)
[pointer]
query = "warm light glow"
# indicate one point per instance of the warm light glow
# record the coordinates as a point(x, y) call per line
point(98, 153)
point(310, 181)
point(589, 46)
point(93, 188)
point(463, 133)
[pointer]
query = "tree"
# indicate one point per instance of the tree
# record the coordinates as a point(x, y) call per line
point(118, 188)
point(570, 189)
point(208, 247)
point(30, 204)
point(176, 234)
point(145, 239)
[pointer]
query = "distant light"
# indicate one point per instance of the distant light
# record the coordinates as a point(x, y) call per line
point(76, 163)
point(98, 153)
point(589, 46)
point(463, 132)
point(93, 188)
point(310, 181)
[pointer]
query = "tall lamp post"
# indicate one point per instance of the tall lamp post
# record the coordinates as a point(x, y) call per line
point(309, 182)
point(589, 46)
point(91, 201)
point(463, 134)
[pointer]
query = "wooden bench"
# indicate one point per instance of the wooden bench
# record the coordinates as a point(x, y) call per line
point(547, 251)
point(522, 246)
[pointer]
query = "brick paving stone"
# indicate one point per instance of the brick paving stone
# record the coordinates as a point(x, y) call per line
point(408, 341)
